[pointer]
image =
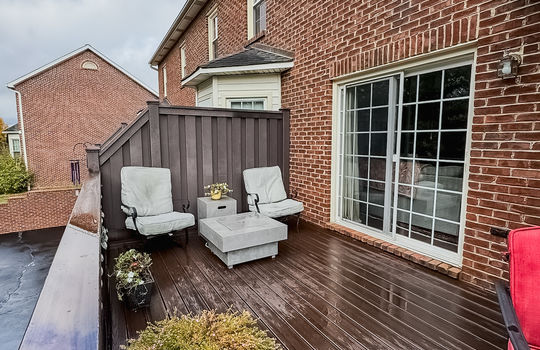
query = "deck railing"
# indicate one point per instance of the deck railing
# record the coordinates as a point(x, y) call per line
point(199, 145)
point(68, 312)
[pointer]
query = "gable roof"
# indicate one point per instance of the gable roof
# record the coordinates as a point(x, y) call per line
point(59, 60)
point(181, 23)
point(14, 129)
point(252, 60)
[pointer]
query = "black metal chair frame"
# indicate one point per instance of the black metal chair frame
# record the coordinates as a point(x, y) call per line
point(133, 216)
point(511, 320)
point(283, 219)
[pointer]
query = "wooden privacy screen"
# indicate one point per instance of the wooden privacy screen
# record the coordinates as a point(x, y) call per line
point(200, 146)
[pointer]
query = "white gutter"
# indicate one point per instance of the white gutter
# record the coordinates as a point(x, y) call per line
point(23, 138)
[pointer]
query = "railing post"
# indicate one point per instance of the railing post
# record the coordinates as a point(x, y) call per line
point(92, 158)
point(155, 142)
point(286, 115)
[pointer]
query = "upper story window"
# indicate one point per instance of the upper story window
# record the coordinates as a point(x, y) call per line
point(256, 17)
point(164, 71)
point(259, 16)
point(213, 35)
point(16, 145)
point(183, 60)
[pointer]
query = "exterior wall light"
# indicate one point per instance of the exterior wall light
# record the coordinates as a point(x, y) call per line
point(508, 65)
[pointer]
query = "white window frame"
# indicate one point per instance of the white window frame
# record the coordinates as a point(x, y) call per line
point(213, 32)
point(183, 60)
point(247, 99)
point(164, 72)
point(454, 57)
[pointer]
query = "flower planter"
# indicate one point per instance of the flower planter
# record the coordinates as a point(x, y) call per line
point(139, 296)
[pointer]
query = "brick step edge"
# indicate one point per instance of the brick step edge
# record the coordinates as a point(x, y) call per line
point(433, 264)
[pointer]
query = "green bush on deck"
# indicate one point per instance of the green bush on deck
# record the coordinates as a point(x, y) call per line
point(14, 178)
point(207, 331)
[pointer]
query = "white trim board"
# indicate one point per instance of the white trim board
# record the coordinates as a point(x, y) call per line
point(74, 53)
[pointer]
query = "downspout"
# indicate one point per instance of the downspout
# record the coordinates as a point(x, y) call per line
point(23, 138)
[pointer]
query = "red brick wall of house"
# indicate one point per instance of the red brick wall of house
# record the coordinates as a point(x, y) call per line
point(37, 209)
point(334, 38)
point(63, 106)
point(232, 34)
point(66, 105)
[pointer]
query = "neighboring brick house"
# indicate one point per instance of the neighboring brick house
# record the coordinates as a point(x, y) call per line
point(364, 78)
point(82, 97)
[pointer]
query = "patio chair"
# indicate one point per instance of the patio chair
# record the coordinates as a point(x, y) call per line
point(520, 304)
point(266, 194)
point(147, 202)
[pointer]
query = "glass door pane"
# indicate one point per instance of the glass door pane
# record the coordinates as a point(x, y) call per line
point(365, 159)
point(431, 156)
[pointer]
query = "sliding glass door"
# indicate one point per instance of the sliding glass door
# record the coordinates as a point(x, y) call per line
point(366, 146)
point(411, 127)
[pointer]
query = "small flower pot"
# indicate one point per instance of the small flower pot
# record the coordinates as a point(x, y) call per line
point(139, 297)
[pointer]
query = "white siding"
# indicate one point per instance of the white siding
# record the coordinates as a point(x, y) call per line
point(250, 86)
point(204, 94)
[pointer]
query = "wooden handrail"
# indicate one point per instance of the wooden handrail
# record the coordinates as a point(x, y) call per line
point(67, 314)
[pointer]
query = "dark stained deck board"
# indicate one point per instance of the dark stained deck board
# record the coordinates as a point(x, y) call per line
point(470, 322)
point(323, 291)
point(418, 293)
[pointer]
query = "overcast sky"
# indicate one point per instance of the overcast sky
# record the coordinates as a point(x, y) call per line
point(36, 32)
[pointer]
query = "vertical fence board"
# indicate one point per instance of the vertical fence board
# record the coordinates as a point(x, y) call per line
point(135, 149)
point(236, 168)
point(191, 162)
point(183, 157)
point(263, 143)
point(200, 146)
point(273, 142)
point(206, 135)
point(154, 133)
point(249, 133)
point(126, 154)
point(106, 195)
point(174, 155)
point(164, 135)
point(147, 156)
point(116, 214)
point(221, 150)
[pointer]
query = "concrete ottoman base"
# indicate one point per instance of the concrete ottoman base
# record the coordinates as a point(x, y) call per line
point(244, 255)
point(242, 237)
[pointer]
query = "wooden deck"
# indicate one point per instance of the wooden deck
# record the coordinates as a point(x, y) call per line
point(323, 291)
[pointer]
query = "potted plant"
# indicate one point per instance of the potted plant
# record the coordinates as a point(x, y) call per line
point(134, 282)
point(208, 330)
point(215, 191)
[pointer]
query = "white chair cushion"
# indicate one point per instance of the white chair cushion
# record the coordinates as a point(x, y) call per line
point(279, 209)
point(266, 182)
point(163, 223)
point(149, 190)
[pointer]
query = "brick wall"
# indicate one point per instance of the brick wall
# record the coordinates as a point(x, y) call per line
point(36, 209)
point(334, 38)
point(66, 105)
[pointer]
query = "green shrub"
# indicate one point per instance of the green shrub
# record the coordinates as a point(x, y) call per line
point(14, 178)
point(208, 331)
